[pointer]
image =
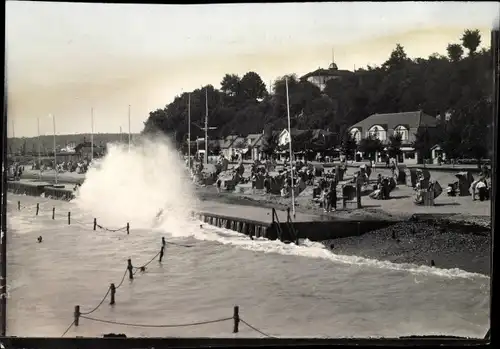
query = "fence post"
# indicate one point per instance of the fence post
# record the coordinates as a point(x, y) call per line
point(53, 213)
point(77, 315)
point(128, 228)
point(130, 268)
point(236, 318)
point(37, 208)
point(95, 223)
point(113, 291)
point(69, 218)
point(19, 205)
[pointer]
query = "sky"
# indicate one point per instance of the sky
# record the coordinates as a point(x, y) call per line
point(64, 59)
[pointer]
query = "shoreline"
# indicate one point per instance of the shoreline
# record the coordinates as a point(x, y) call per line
point(407, 242)
point(451, 240)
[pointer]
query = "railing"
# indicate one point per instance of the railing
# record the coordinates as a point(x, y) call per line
point(276, 223)
point(291, 227)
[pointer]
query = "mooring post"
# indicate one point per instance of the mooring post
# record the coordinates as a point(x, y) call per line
point(53, 213)
point(69, 218)
point(236, 318)
point(37, 208)
point(77, 315)
point(19, 205)
point(161, 253)
point(112, 293)
point(128, 228)
point(95, 223)
point(130, 268)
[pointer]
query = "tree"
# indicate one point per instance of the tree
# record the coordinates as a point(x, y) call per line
point(475, 131)
point(451, 138)
point(252, 87)
point(230, 84)
point(269, 141)
point(455, 52)
point(423, 144)
point(370, 146)
point(397, 59)
point(471, 39)
point(394, 147)
point(348, 144)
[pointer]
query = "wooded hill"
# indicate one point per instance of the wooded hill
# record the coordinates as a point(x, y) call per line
point(458, 83)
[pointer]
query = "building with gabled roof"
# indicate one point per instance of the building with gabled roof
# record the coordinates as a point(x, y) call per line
point(383, 126)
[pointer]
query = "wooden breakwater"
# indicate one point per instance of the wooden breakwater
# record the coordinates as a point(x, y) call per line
point(38, 189)
point(248, 227)
point(292, 231)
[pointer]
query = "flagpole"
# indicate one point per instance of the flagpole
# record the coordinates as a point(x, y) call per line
point(290, 146)
point(206, 125)
point(189, 130)
point(92, 134)
point(39, 156)
point(129, 127)
point(55, 150)
point(13, 138)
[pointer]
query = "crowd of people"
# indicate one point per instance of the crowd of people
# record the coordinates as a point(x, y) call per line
point(78, 166)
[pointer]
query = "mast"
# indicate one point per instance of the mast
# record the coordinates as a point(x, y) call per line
point(92, 134)
point(129, 134)
point(206, 125)
point(290, 145)
point(189, 130)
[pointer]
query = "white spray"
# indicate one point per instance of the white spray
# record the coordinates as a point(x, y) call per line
point(134, 186)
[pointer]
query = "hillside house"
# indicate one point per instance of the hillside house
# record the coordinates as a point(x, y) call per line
point(254, 145)
point(383, 126)
point(320, 77)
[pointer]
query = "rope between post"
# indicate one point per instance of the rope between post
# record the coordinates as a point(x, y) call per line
point(69, 327)
point(145, 265)
point(111, 230)
point(256, 329)
point(158, 326)
point(123, 279)
point(173, 243)
point(98, 305)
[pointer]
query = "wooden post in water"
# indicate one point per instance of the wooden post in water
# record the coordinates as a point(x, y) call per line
point(128, 228)
point(95, 223)
point(37, 208)
point(77, 315)
point(69, 218)
point(112, 294)
point(53, 213)
point(236, 318)
point(130, 268)
point(19, 205)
